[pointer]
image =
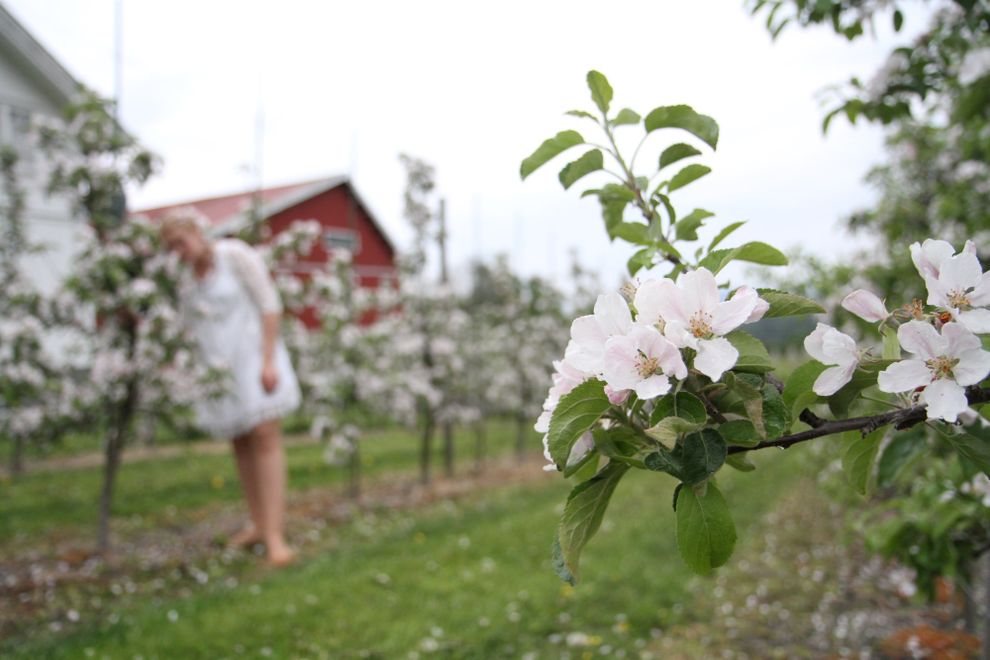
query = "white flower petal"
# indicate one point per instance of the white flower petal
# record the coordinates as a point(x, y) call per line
point(839, 348)
point(865, 305)
point(729, 315)
point(715, 357)
point(921, 339)
point(961, 272)
point(928, 256)
point(976, 320)
point(649, 301)
point(904, 376)
point(619, 365)
point(652, 387)
point(980, 296)
point(700, 291)
point(543, 422)
point(666, 300)
point(958, 338)
point(973, 367)
point(833, 379)
point(814, 343)
point(581, 448)
point(612, 312)
point(945, 399)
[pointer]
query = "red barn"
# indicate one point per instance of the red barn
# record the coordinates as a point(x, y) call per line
point(345, 218)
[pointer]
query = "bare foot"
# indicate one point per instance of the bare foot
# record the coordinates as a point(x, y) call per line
point(281, 557)
point(244, 538)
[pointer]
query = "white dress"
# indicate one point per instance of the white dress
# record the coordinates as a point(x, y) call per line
point(223, 311)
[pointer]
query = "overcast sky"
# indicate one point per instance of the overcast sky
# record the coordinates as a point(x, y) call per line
point(473, 88)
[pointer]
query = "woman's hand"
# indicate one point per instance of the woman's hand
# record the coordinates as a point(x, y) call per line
point(269, 376)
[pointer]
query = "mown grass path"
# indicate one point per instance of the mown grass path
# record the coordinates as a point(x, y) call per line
point(465, 577)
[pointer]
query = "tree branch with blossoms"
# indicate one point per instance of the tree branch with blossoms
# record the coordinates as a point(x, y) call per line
point(661, 377)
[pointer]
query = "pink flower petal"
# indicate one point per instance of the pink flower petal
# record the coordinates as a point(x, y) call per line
point(833, 379)
point(700, 291)
point(865, 305)
point(729, 315)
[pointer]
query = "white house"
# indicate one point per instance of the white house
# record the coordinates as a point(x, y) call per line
point(33, 84)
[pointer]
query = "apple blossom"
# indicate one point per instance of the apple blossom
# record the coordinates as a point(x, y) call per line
point(945, 364)
point(962, 287)
point(831, 347)
point(929, 256)
point(589, 333)
point(642, 361)
point(866, 305)
point(691, 316)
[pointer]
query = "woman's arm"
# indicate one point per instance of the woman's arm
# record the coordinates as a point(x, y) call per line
point(253, 272)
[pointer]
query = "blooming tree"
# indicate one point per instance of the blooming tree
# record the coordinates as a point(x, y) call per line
point(118, 301)
point(664, 379)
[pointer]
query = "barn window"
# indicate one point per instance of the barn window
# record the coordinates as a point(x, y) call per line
point(342, 239)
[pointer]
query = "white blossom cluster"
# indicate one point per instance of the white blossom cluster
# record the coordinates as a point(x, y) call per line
point(643, 353)
point(947, 354)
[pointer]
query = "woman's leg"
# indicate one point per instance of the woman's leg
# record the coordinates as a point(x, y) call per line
point(269, 471)
point(249, 483)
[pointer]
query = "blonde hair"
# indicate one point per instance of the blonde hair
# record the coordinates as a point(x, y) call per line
point(185, 218)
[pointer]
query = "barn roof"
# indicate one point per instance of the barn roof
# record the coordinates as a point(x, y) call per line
point(228, 213)
point(35, 60)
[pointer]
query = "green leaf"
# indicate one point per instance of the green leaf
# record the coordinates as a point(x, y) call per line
point(601, 91)
point(614, 198)
point(582, 114)
point(683, 117)
point(898, 20)
point(676, 152)
point(891, 347)
point(625, 117)
point(740, 432)
point(753, 355)
point(591, 161)
point(668, 429)
point(722, 235)
point(740, 462)
point(584, 469)
point(788, 304)
point(974, 445)
point(683, 404)
point(798, 394)
point(576, 412)
point(687, 227)
point(760, 253)
point(559, 565)
point(701, 454)
point(776, 416)
point(857, 460)
point(642, 259)
point(582, 517)
point(689, 174)
point(631, 232)
point(706, 534)
point(898, 454)
point(548, 150)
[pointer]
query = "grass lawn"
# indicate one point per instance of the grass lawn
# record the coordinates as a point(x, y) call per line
point(464, 578)
point(150, 491)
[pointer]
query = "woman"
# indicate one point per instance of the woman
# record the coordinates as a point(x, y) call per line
point(232, 309)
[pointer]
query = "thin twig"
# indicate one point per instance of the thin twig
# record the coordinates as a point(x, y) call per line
point(900, 419)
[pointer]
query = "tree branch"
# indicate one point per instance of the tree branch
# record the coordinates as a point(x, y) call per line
point(900, 419)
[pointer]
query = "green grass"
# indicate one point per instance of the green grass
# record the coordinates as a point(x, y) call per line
point(43, 502)
point(469, 578)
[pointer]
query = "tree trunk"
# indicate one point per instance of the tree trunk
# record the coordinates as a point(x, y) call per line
point(355, 469)
point(480, 440)
point(17, 457)
point(117, 436)
point(426, 450)
point(448, 449)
